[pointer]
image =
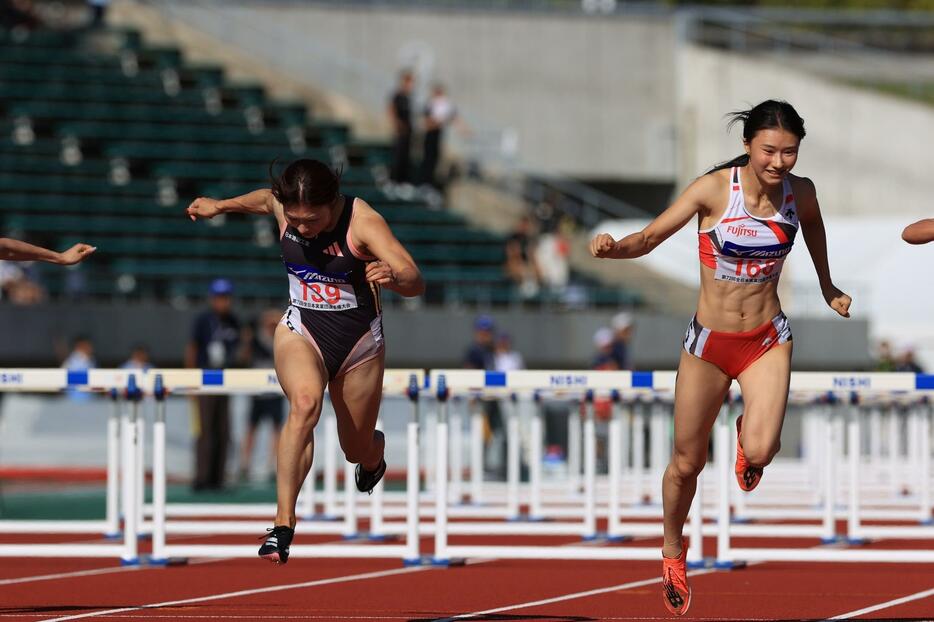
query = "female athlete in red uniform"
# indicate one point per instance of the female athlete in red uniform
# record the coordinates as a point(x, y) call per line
point(338, 252)
point(920, 232)
point(748, 212)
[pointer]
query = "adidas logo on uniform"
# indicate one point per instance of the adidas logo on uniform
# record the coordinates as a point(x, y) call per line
point(334, 250)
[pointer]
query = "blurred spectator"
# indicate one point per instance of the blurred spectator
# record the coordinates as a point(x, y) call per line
point(439, 113)
point(17, 287)
point(18, 15)
point(262, 407)
point(215, 344)
point(907, 362)
point(480, 354)
point(98, 12)
point(622, 334)
point(885, 360)
point(520, 260)
point(505, 358)
point(139, 358)
point(551, 257)
point(400, 115)
point(81, 357)
point(603, 359)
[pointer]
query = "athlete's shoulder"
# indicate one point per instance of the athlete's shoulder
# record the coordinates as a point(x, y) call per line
point(710, 190)
point(802, 187)
point(361, 207)
point(364, 213)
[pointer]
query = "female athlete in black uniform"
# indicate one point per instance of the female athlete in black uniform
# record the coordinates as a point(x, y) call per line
point(338, 252)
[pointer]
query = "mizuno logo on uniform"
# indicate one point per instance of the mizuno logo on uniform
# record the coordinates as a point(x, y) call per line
point(333, 250)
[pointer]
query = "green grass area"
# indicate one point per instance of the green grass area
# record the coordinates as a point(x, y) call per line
point(88, 503)
point(918, 91)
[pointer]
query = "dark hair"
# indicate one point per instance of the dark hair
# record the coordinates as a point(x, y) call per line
point(770, 114)
point(305, 182)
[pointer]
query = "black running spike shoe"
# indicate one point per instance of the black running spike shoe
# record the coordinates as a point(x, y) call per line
point(276, 545)
point(367, 480)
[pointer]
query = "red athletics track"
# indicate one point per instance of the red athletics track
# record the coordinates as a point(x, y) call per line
point(383, 590)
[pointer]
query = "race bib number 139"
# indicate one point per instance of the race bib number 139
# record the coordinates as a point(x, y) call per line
point(321, 296)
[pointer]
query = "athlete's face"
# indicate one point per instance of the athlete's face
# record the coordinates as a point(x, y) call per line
point(310, 220)
point(772, 154)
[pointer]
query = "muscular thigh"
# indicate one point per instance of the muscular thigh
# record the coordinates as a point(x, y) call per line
point(699, 393)
point(765, 393)
point(299, 367)
point(356, 397)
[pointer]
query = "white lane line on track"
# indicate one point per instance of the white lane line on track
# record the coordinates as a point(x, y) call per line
point(885, 605)
point(99, 571)
point(260, 590)
point(575, 595)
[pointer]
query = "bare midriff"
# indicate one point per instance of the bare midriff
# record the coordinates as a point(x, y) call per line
point(735, 307)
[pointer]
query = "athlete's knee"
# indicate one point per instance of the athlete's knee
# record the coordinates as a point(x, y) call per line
point(306, 408)
point(685, 467)
point(760, 453)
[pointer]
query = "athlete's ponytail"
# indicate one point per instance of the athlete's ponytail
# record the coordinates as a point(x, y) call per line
point(305, 182)
point(770, 114)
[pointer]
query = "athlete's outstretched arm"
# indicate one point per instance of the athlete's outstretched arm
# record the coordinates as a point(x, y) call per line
point(812, 225)
point(691, 201)
point(14, 250)
point(260, 202)
point(395, 270)
point(920, 232)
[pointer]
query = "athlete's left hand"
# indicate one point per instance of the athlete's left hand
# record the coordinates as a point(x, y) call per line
point(838, 301)
point(75, 254)
point(380, 273)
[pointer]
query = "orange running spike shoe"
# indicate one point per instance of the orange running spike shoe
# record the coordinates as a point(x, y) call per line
point(675, 590)
point(746, 476)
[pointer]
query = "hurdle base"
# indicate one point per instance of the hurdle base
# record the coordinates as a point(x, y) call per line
point(856, 541)
point(740, 520)
point(927, 521)
point(350, 536)
point(176, 561)
point(707, 562)
point(592, 537)
point(116, 535)
point(728, 565)
point(832, 540)
point(381, 537)
point(129, 561)
point(157, 561)
point(616, 539)
point(447, 562)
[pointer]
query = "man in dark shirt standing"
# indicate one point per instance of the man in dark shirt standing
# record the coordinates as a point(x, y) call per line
point(400, 115)
point(215, 344)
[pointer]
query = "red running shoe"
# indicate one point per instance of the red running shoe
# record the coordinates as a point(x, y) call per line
point(675, 590)
point(746, 476)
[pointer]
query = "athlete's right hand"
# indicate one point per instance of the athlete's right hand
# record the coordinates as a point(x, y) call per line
point(203, 207)
point(602, 245)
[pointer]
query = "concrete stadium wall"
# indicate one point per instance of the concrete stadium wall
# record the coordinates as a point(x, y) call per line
point(866, 152)
point(423, 338)
point(591, 96)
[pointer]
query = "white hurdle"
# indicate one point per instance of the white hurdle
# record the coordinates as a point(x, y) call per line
point(838, 387)
point(123, 450)
point(398, 382)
